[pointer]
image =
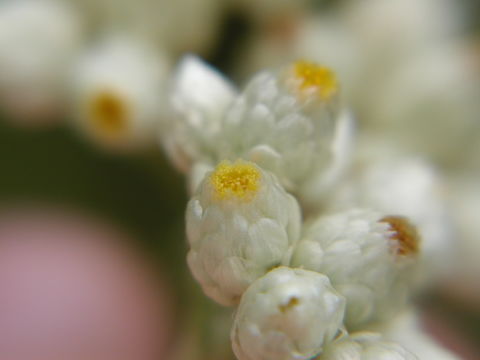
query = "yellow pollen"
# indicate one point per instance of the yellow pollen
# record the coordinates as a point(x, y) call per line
point(109, 114)
point(314, 76)
point(240, 180)
point(405, 235)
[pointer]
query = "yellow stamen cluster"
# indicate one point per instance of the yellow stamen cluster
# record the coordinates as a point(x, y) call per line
point(109, 114)
point(240, 180)
point(314, 76)
point(405, 235)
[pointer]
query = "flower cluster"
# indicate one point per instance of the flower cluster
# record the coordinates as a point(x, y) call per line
point(318, 236)
point(311, 257)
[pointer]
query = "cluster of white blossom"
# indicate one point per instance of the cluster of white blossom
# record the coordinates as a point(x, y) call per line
point(313, 248)
point(319, 237)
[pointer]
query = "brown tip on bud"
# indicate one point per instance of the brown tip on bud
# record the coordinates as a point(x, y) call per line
point(291, 304)
point(405, 235)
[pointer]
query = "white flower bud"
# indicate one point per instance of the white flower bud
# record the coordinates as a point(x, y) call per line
point(200, 97)
point(118, 87)
point(287, 122)
point(288, 314)
point(368, 258)
point(365, 346)
point(38, 43)
point(240, 223)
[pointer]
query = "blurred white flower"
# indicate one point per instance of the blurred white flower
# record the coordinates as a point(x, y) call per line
point(405, 68)
point(240, 224)
point(410, 54)
point(405, 186)
point(288, 314)
point(366, 346)
point(38, 42)
point(200, 97)
point(368, 257)
point(118, 91)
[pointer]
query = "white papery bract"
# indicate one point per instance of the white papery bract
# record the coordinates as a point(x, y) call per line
point(288, 122)
point(117, 93)
point(200, 97)
point(365, 346)
point(38, 43)
point(405, 186)
point(288, 314)
point(368, 258)
point(240, 223)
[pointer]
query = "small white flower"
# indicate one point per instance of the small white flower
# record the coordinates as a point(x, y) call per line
point(200, 96)
point(288, 314)
point(367, 256)
point(365, 346)
point(240, 223)
point(288, 123)
point(405, 186)
point(117, 93)
point(38, 43)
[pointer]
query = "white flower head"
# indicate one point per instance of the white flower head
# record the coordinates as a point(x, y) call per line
point(409, 187)
point(365, 346)
point(287, 122)
point(288, 314)
point(38, 43)
point(200, 97)
point(367, 256)
point(118, 91)
point(240, 223)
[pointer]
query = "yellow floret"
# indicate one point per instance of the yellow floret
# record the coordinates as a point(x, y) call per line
point(240, 180)
point(314, 76)
point(109, 114)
